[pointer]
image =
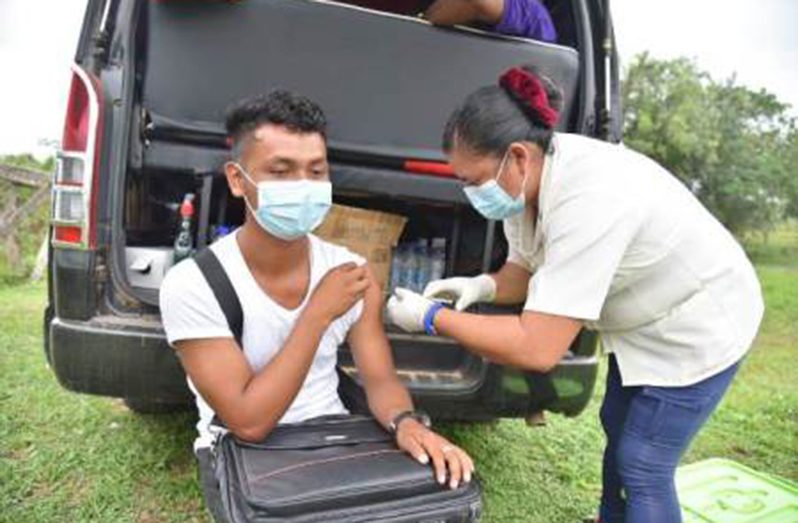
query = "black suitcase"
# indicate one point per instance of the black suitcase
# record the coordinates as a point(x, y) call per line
point(334, 469)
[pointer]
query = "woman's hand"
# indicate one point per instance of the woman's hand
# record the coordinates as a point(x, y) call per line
point(424, 444)
point(463, 291)
point(406, 310)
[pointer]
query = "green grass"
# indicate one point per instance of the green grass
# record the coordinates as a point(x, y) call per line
point(778, 247)
point(70, 457)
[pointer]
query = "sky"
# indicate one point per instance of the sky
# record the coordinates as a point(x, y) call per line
point(755, 40)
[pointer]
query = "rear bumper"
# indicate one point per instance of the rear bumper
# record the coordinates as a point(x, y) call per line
point(114, 356)
point(120, 360)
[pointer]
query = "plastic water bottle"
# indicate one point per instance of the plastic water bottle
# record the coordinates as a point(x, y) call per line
point(421, 264)
point(184, 243)
point(404, 266)
point(437, 259)
point(397, 266)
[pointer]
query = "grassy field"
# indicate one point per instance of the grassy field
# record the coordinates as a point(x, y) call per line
point(70, 457)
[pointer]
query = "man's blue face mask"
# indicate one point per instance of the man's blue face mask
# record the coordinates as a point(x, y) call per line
point(289, 210)
point(493, 202)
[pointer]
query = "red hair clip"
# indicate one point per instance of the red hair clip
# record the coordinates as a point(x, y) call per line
point(529, 91)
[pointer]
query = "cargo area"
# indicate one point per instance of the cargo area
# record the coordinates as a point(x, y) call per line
point(466, 243)
point(378, 123)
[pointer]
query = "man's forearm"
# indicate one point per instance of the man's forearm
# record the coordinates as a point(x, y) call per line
point(387, 399)
point(270, 392)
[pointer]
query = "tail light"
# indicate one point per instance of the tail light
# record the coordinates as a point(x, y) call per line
point(431, 168)
point(74, 186)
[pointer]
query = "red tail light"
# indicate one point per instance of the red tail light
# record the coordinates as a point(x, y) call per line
point(74, 187)
point(425, 167)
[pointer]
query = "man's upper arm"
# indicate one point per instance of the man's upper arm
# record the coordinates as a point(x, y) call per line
point(367, 339)
point(189, 309)
point(197, 328)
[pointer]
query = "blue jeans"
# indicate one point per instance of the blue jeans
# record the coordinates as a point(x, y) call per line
point(648, 429)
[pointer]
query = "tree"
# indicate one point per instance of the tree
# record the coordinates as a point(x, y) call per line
point(732, 146)
point(21, 244)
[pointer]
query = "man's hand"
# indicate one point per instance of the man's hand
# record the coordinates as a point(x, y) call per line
point(339, 290)
point(463, 291)
point(423, 444)
point(406, 309)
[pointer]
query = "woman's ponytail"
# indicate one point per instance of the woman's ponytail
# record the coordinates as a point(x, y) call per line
point(524, 106)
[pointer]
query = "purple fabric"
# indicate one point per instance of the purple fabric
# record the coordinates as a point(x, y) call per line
point(527, 19)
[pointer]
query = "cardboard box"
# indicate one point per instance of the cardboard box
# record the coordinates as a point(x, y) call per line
point(372, 234)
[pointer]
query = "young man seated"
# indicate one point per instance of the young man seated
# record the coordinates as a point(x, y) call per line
point(301, 298)
point(524, 18)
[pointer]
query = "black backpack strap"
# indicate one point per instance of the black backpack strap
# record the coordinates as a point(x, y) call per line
point(223, 289)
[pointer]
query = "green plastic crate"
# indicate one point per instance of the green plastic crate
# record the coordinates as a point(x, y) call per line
point(722, 491)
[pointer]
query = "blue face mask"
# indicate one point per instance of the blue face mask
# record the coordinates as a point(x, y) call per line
point(493, 202)
point(289, 210)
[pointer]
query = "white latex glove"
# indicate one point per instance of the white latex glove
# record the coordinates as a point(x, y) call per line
point(406, 310)
point(466, 291)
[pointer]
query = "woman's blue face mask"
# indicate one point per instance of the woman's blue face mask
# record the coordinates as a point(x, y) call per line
point(493, 202)
point(289, 210)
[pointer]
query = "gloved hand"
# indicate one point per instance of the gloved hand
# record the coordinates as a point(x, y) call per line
point(406, 310)
point(466, 291)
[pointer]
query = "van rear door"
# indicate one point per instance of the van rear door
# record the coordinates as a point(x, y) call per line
point(387, 83)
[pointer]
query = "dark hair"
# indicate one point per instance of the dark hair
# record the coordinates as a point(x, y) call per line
point(491, 118)
point(295, 112)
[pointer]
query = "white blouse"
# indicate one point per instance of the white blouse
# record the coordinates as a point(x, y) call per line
point(624, 246)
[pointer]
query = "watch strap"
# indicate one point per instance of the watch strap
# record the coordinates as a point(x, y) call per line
point(399, 418)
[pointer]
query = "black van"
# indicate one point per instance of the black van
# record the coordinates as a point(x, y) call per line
point(150, 84)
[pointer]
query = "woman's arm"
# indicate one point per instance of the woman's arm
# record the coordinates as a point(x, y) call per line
point(512, 282)
point(533, 340)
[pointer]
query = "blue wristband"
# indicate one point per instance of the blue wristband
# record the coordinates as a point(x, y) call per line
point(429, 318)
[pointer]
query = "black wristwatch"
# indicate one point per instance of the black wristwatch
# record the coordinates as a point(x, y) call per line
point(418, 415)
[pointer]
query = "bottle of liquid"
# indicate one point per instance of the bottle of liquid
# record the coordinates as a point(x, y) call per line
point(421, 264)
point(396, 269)
point(405, 266)
point(437, 259)
point(184, 243)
